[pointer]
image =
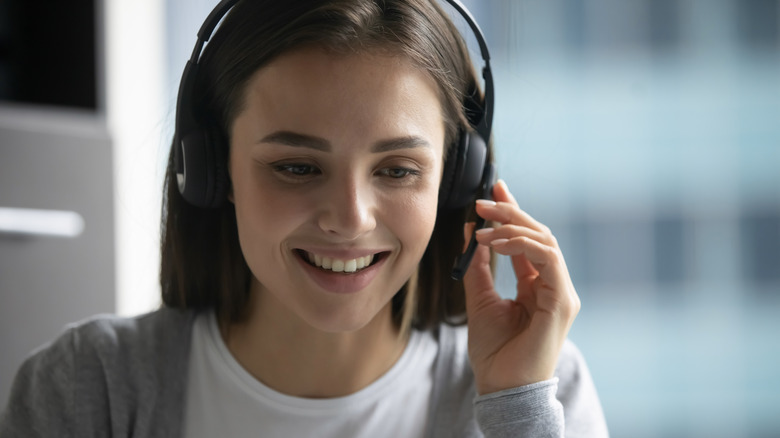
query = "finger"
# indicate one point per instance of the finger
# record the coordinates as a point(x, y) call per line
point(478, 280)
point(520, 264)
point(508, 213)
point(550, 289)
point(487, 235)
point(506, 208)
point(553, 275)
point(548, 261)
point(501, 193)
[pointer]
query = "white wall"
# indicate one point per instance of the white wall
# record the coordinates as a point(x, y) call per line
point(137, 114)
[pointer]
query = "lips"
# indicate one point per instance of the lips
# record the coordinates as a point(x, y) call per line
point(338, 264)
point(346, 281)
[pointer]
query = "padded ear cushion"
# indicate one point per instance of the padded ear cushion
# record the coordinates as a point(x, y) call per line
point(467, 187)
point(221, 181)
point(450, 169)
point(193, 177)
point(463, 171)
point(204, 181)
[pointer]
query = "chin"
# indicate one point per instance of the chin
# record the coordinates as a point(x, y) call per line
point(347, 320)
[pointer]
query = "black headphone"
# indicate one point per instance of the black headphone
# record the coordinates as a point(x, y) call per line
point(199, 154)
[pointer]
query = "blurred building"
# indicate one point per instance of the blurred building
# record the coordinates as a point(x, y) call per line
point(646, 134)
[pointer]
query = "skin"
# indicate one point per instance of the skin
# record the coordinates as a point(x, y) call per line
point(356, 171)
point(517, 342)
point(341, 156)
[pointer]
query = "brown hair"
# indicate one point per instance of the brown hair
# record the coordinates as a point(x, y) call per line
point(202, 264)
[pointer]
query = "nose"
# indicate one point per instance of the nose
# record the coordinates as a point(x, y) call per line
point(348, 209)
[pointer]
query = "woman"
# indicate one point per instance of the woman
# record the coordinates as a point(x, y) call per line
point(313, 296)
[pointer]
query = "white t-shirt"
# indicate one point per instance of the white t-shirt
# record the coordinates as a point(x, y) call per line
point(224, 400)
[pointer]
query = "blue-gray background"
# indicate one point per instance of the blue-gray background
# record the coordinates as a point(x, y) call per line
point(646, 134)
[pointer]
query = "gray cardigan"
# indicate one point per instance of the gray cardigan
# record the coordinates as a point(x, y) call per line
point(123, 377)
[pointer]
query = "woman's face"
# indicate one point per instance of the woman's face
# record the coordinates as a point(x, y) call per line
point(335, 164)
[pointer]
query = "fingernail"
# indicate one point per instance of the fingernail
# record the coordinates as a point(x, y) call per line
point(486, 202)
point(499, 242)
point(484, 230)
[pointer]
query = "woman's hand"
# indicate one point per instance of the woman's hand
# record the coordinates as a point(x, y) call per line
point(517, 342)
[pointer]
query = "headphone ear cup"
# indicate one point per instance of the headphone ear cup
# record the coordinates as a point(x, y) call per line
point(220, 180)
point(450, 169)
point(204, 182)
point(463, 171)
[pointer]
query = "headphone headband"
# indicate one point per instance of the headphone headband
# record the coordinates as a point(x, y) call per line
point(468, 171)
point(195, 154)
point(483, 126)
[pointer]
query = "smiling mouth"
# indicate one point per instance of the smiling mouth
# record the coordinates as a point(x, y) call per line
point(340, 265)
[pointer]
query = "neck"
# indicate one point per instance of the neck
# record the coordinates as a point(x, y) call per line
point(290, 356)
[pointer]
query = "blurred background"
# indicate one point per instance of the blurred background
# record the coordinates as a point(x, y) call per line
point(645, 133)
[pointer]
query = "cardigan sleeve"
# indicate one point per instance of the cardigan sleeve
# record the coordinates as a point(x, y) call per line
point(530, 410)
point(106, 376)
point(41, 403)
point(565, 406)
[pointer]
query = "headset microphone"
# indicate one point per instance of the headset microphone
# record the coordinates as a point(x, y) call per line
point(479, 176)
point(464, 260)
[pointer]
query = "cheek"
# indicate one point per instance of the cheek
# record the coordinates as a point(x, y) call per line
point(413, 218)
point(263, 215)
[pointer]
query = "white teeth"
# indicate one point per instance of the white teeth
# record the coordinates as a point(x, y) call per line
point(336, 265)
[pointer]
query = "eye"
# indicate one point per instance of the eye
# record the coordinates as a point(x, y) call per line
point(296, 170)
point(398, 172)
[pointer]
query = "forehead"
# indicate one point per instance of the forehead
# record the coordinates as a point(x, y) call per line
point(317, 69)
point(319, 92)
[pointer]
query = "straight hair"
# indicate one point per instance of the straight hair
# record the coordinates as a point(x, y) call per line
point(202, 265)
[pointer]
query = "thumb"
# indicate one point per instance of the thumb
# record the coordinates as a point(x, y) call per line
point(478, 281)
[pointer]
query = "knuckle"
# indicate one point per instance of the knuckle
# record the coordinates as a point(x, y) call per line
point(513, 229)
point(575, 303)
point(555, 255)
point(569, 307)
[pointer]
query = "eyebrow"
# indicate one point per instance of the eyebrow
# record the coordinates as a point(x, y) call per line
point(294, 139)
